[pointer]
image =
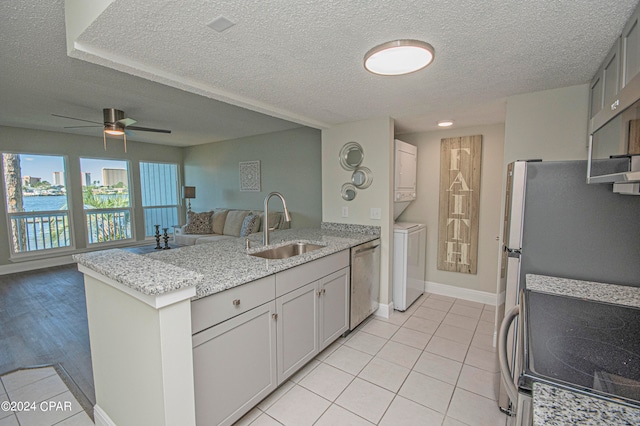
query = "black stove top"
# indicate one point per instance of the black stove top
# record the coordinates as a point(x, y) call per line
point(582, 344)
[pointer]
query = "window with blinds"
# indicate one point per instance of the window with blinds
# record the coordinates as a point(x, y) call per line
point(160, 196)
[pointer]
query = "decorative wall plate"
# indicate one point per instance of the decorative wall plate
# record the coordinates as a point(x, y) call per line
point(348, 192)
point(362, 177)
point(351, 155)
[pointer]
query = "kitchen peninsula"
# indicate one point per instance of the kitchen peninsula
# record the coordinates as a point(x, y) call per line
point(216, 310)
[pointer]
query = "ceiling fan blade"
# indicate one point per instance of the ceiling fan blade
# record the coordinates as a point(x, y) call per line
point(79, 119)
point(79, 127)
point(127, 121)
point(147, 129)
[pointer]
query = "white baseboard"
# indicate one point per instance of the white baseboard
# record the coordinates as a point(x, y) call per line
point(384, 310)
point(101, 418)
point(463, 293)
point(35, 264)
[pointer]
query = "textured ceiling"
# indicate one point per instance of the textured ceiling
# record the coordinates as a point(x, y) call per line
point(293, 63)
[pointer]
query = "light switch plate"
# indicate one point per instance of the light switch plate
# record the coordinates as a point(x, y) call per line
point(345, 211)
point(375, 213)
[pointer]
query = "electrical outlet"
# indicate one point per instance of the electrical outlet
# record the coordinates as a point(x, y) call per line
point(345, 211)
point(375, 213)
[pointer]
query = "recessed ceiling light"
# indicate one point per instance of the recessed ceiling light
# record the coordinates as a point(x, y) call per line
point(445, 123)
point(399, 57)
point(220, 24)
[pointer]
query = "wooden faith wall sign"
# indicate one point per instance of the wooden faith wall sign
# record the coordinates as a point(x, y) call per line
point(459, 209)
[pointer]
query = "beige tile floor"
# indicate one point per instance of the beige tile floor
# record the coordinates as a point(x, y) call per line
point(49, 398)
point(431, 365)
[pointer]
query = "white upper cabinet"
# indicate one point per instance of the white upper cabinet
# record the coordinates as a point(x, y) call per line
point(605, 84)
point(616, 84)
point(630, 50)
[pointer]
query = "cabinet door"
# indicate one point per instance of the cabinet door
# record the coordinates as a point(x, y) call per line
point(234, 366)
point(334, 306)
point(297, 333)
point(630, 49)
point(596, 94)
point(611, 75)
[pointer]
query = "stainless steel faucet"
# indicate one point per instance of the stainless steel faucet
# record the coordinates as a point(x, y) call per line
point(287, 217)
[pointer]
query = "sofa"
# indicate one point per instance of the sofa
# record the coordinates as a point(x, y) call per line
point(222, 224)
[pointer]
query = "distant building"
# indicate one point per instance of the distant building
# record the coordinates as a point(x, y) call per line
point(30, 180)
point(86, 179)
point(112, 177)
point(58, 178)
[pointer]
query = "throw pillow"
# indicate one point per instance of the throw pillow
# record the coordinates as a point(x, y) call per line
point(219, 217)
point(233, 223)
point(199, 223)
point(249, 225)
point(274, 220)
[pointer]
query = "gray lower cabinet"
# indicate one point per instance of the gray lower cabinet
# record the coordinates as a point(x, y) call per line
point(249, 339)
point(334, 307)
point(233, 365)
point(309, 319)
point(297, 329)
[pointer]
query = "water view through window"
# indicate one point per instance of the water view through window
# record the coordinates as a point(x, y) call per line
point(105, 196)
point(36, 200)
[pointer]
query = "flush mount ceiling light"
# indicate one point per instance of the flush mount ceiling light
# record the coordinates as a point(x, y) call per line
point(445, 123)
point(399, 57)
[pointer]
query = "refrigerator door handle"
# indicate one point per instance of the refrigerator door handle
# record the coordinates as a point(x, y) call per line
point(507, 377)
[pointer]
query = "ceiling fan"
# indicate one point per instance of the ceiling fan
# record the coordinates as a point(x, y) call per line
point(115, 124)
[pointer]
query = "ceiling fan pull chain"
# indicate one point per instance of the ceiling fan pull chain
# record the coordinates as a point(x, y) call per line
point(104, 136)
point(124, 136)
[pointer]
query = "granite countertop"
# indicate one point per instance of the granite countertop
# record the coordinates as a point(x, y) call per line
point(558, 406)
point(147, 276)
point(220, 265)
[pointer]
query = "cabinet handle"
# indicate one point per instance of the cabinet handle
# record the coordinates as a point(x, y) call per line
point(615, 105)
point(324, 290)
point(274, 316)
point(236, 302)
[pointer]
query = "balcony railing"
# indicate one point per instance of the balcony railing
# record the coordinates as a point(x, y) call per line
point(40, 231)
point(108, 225)
point(34, 231)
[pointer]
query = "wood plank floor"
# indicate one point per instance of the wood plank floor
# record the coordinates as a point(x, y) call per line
point(43, 320)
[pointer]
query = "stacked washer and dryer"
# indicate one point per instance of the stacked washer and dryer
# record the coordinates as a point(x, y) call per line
point(409, 239)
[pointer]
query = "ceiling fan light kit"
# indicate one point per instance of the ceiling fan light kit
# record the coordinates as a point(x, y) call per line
point(399, 57)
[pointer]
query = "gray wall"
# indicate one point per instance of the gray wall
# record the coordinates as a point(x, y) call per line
point(73, 147)
point(290, 163)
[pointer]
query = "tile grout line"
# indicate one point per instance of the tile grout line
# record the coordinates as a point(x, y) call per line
point(400, 325)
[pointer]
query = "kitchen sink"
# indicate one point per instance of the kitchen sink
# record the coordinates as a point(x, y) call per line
point(290, 250)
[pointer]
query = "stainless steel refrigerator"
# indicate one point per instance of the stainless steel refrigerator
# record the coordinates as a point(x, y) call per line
point(556, 224)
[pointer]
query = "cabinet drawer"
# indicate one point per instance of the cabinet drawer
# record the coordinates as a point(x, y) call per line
point(294, 278)
point(214, 309)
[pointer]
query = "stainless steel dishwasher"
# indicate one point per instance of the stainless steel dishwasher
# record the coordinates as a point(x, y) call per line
point(365, 281)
